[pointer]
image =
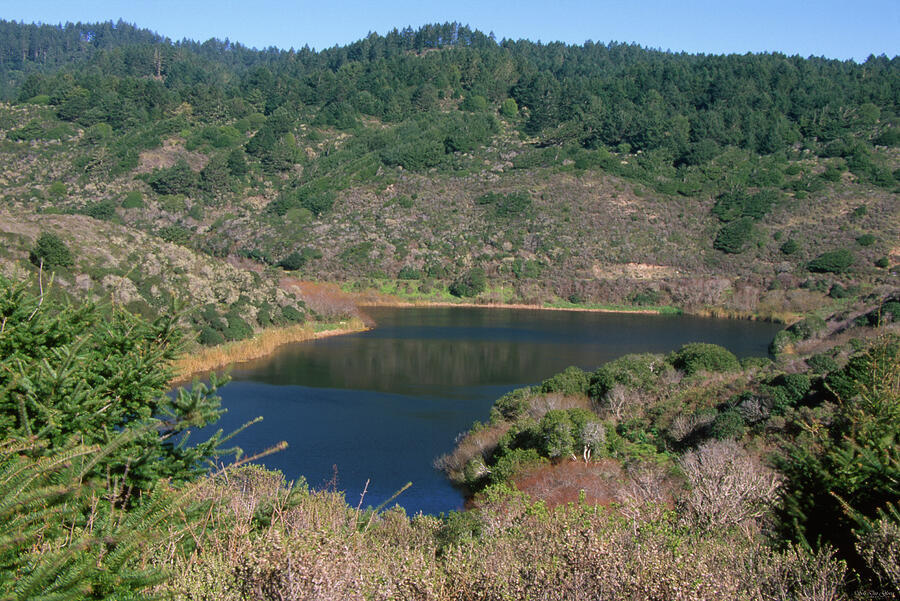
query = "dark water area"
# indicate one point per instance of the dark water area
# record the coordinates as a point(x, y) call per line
point(382, 405)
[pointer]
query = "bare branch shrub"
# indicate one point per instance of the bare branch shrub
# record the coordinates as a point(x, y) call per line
point(621, 402)
point(880, 548)
point(797, 575)
point(685, 424)
point(728, 486)
point(540, 404)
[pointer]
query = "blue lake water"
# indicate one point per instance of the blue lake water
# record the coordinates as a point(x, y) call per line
point(381, 405)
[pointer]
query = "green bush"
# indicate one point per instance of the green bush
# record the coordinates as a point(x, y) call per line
point(728, 424)
point(513, 462)
point(292, 315)
point(571, 381)
point(790, 246)
point(866, 240)
point(633, 371)
point(472, 283)
point(807, 328)
point(882, 262)
point(293, 262)
point(700, 356)
point(822, 363)
point(733, 236)
point(178, 179)
point(237, 328)
point(565, 432)
point(509, 108)
point(210, 337)
point(511, 405)
point(103, 210)
point(50, 250)
point(133, 200)
point(408, 272)
point(835, 261)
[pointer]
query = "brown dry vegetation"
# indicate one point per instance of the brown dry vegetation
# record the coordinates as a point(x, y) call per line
point(311, 545)
point(264, 343)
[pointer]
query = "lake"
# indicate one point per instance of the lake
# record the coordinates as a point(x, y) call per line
point(381, 405)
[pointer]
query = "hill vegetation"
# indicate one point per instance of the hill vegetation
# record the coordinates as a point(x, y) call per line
point(159, 193)
point(600, 173)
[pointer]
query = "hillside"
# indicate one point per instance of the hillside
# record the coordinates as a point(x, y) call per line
point(421, 162)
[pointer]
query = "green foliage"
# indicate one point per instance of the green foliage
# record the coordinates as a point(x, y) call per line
point(470, 284)
point(178, 234)
point(633, 371)
point(882, 262)
point(474, 103)
point(295, 260)
point(790, 246)
point(237, 328)
point(81, 372)
point(851, 460)
point(567, 432)
point(408, 272)
point(866, 240)
point(834, 261)
point(737, 204)
point(178, 179)
point(728, 424)
point(512, 405)
point(57, 542)
point(506, 206)
point(103, 210)
point(509, 108)
point(700, 356)
point(133, 200)
point(733, 236)
point(50, 251)
point(571, 381)
point(822, 363)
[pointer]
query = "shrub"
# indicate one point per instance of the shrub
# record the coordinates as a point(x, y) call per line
point(177, 234)
point(509, 108)
point(728, 425)
point(866, 240)
point(408, 272)
point(474, 103)
point(50, 250)
point(178, 179)
point(822, 363)
point(292, 314)
point(700, 356)
point(511, 405)
point(133, 200)
point(571, 381)
point(293, 261)
point(471, 284)
point(237, 328)
point(210, 337)
point(103, 210)
point(732, 236)
point(835, 261)
point(632, 371)
point(790, 246)
point(883, 263)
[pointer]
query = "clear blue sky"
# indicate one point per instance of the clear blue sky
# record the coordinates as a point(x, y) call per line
point(831, 28)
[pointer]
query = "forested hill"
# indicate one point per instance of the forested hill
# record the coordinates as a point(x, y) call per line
point(455, 163)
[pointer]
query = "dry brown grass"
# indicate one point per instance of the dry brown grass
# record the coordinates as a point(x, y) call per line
point(262, 344)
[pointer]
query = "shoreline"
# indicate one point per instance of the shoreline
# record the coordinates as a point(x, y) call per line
point(262, 344)
point(523, 306)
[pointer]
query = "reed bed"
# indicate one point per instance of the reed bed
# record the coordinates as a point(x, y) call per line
point(264, 343)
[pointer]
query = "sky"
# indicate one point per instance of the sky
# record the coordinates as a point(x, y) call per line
point(830, 28)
